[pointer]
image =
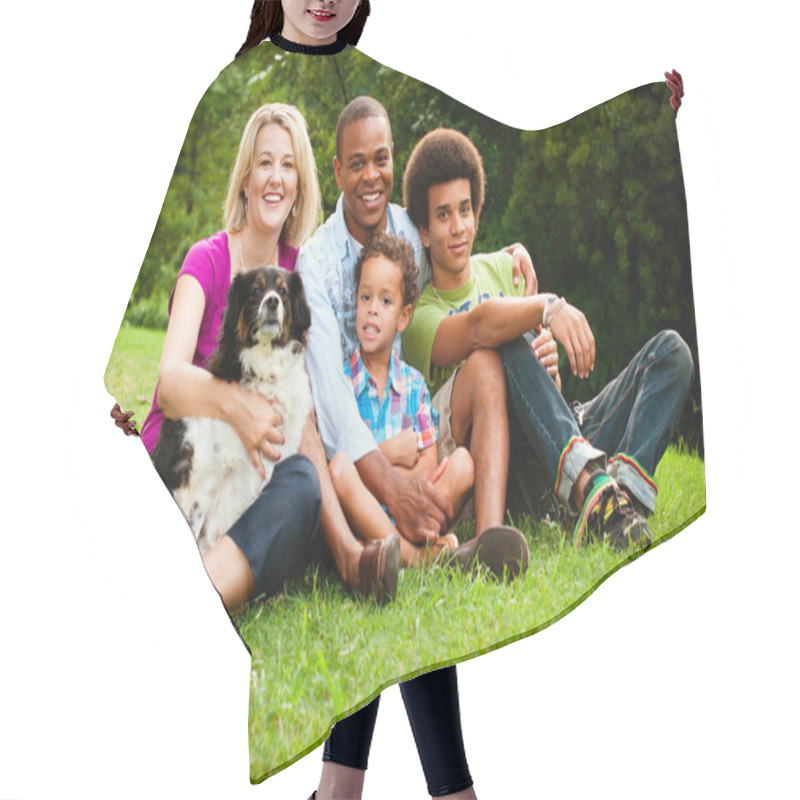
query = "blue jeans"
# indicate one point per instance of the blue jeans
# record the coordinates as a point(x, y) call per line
point(626, 427)
point(278, 532)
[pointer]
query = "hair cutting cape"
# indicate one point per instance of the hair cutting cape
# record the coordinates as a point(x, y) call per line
point(599, 203)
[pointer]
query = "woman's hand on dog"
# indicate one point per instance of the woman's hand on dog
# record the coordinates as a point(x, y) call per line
point(258, 425)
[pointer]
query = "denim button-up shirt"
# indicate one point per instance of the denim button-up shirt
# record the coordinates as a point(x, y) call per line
point(327, 262)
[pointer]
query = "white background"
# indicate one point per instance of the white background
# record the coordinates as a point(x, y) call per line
point(120, 674)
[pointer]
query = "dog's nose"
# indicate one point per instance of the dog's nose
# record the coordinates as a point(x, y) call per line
point(272, 302)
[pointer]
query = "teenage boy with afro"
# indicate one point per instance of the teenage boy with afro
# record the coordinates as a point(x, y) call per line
point(600, 460)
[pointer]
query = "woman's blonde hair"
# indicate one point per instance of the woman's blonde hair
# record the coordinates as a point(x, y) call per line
point(307, 208)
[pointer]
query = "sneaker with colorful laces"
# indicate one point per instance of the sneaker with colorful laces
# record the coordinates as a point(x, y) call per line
point(608, 516)
point(639, 534)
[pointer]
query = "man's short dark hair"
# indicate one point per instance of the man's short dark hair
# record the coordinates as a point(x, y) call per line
point(441, 156)
point(398, 250)
point(362, 107)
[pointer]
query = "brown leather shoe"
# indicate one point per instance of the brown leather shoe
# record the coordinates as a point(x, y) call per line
point(378, 566)
point(501, 549)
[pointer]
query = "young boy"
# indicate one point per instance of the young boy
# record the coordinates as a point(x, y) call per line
point(394, 402)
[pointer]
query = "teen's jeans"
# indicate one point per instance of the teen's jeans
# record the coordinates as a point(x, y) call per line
point(627, 427)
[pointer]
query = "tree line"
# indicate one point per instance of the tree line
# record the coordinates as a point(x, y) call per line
point(597, 200)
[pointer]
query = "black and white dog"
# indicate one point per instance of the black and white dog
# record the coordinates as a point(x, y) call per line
point(262, 347)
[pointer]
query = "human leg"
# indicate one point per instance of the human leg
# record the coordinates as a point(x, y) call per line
point(346, 755)
point(545, 420)
point(364, 513)
point(575, 465)
point(370, 570)
point(478, 419)
point(472, 411)
point(431, 702)
point(530, 490)
point(634, 416)
point(271, 539)
point(230, 573)
point(433, 709)
point(456, 482)
point(340, 541)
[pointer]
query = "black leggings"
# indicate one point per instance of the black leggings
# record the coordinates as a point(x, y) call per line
point(432, 706)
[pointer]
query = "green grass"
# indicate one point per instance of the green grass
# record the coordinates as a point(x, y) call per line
point(317, 650)
point(133, 368)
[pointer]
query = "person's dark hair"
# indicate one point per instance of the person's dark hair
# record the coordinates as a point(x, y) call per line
point(362, 107)
point(266, 19)
point(398, 250)
point(441, 156)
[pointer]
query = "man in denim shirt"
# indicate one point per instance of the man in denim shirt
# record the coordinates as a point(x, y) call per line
point(364, 172)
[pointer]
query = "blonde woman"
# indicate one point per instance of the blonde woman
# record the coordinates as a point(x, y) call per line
point(272, 205)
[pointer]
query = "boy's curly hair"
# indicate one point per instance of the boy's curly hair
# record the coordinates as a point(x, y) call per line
point(399, 251)
point(441, 156)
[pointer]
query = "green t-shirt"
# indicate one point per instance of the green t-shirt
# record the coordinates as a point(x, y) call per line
point(491, 277)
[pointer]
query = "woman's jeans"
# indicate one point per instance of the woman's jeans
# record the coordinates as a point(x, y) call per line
point(278, 532)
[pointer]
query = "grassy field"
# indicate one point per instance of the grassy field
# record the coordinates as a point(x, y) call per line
point(133, 367)
point(318, 653)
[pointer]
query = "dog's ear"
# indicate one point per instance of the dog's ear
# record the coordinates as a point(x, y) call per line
point(301, 313)
point(224, 361)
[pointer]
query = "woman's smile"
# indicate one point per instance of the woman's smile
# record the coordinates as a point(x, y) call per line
point(313, 22)
point(272, 178)
point(320, 15)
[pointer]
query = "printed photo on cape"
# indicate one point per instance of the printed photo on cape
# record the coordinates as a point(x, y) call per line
point(599, 202)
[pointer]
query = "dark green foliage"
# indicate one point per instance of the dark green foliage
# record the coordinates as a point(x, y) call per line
point(598, 200)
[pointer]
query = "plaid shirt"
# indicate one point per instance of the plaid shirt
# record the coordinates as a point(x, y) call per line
point(405, 404)
point(327, 262)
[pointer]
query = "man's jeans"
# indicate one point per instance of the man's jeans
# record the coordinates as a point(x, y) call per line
point(626, 427)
